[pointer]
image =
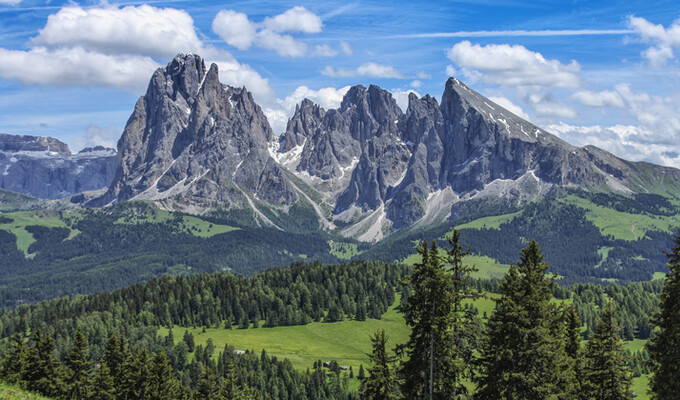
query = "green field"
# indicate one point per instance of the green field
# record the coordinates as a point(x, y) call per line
point(22, 219)
point(493, 222)
point(189, 224)
point(622, 225)
point(344, 251)
point(56, 219)
point(13, 392)
point(487, 267)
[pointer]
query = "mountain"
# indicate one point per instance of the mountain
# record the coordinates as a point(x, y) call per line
point(382, 169)
point(196, 143)
point(45, 167)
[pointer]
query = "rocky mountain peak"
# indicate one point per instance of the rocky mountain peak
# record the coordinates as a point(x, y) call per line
point(16, 143)
point(191, 137)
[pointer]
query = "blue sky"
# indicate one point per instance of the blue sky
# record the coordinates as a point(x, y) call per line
point(593, 72)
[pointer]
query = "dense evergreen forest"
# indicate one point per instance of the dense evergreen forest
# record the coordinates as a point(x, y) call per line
point(106, 345)
point(560, 228)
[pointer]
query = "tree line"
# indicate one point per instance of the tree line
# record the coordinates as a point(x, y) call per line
point(531, 346)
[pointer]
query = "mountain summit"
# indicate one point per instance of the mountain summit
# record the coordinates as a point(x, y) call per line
point(366, 168)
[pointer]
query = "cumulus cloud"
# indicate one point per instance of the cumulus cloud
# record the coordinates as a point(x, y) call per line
point(621, 140)
point(513, 65)
point(118, 47)
point(663, 40)
point(605, 98)
point(234, 28)
point(142, 30)
point(76, 66)
point(10, 2)
point(546, 105)
point(237, 30)
point(328, 98)
point(510, 106)
point(366, 69)
point(297, 19)
point(416, 83)
point(97, 136)
point(401, 97)
point(284, 45)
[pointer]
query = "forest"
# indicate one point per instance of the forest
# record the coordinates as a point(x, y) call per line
point(107, 346)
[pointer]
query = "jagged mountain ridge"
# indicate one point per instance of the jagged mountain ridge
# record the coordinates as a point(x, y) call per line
point(193, 144)
point(44, 167)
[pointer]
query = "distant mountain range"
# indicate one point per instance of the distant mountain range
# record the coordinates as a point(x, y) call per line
point(366, 169)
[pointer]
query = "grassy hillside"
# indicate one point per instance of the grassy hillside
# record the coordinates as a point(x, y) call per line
point(13, 392)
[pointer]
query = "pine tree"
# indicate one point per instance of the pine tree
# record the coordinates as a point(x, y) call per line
point(208, 386)
point(115, 355)
point(380, 384)
point(464, 325)
point(103, 385)
point(428, 310)
point(44, 373)
point(79, 365)
point(523, 355)
point(162, 383)
point(573, 349)
point(605, 374)
point(189, 340)
point(14, 366)
point(664, 347)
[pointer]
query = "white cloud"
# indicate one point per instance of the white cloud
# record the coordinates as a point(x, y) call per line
point(10, 2)
point(366, 69)
point(297, 19)
point(323, 50)
point(234, 28)
point(346, 48)
point(142, 30)
point(416, 84)
point(284, 45)
point(423, 75)
point(510, 106)
point(605, 98)
point(328, 98)
point(546, 105)
point(118, 47)
point(513, 65)
point(64, 67)
point(401, 97)
point(663, 40)
point(237, 30)
point(451, 70)
point(621, 140)
point(97, 136)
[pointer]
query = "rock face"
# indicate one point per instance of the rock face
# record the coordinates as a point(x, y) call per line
point(190, 138)
point(367, 167)
point(44, 167)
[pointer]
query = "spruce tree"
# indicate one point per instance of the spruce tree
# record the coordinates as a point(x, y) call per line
point(380, 384)
point(428, 310)
point(208, 387)
point(664, 347)
point(605, 376)
point(14, 365)
point(464, 325)
point(162, 382)
point(44, 373)
point(79, 366)
point(523, 355)
point(103, 385)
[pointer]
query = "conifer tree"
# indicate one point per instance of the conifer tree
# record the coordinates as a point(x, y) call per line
point(605, 376)
point(103, 385)
point(427, 371)
point(79, 365)
point(380, 384)
point(208, 386)
point(14, 366)
point(664, 347)
point(464, 325)
point(162, 383)
point(115, 355)
point(573, 348)
point(523, 355)
point(44, 373)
